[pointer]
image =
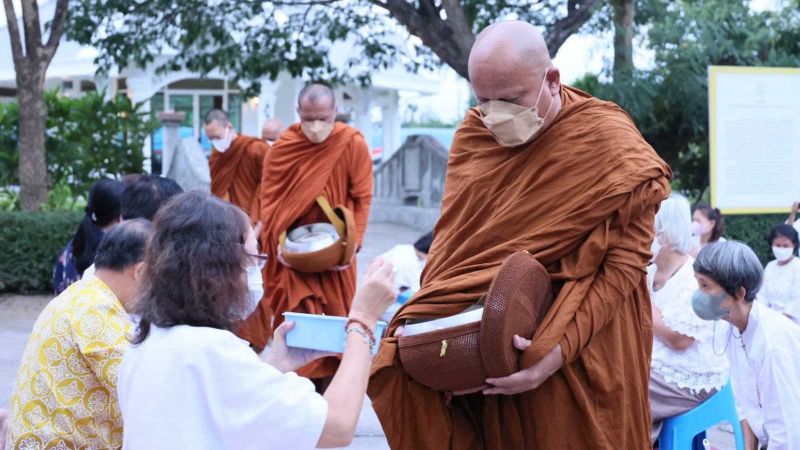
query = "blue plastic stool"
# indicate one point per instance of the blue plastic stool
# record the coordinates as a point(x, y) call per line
point(679, 432)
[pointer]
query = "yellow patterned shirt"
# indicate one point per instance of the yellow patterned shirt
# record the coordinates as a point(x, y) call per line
point(65, 396)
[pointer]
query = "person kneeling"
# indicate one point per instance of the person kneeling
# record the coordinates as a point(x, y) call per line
point(765, 355)
point(189, 382)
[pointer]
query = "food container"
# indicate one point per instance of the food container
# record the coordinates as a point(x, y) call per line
point(321, 332)
point(311, 238)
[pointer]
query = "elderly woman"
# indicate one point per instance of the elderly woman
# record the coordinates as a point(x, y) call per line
point(763, 346)
point(685, 370)
point(781, 290)
point(190, 383)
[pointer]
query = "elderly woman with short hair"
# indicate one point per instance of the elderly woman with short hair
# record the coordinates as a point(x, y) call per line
point(684, 369)
point(765, 355)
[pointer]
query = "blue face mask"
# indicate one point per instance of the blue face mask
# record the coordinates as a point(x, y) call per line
point(707, 307)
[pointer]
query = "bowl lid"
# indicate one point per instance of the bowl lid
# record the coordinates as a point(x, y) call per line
point(518, 299)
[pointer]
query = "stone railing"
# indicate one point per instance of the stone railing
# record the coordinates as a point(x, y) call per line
point(409, 185)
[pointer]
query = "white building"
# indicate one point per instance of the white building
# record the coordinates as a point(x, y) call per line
point(73, 71)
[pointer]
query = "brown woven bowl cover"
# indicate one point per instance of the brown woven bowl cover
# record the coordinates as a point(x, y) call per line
point(460, 358)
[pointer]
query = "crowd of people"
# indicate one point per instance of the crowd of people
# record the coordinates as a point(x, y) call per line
point(167, 329)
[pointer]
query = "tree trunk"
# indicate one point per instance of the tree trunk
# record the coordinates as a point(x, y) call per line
point(32, 127)
point(624, 12)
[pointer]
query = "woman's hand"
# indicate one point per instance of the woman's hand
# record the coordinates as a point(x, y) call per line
point(287, 359)
point(376, 293)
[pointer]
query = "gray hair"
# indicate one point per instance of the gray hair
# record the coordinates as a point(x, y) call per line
point(217, 115)
point(674, 221)
point(732, 265)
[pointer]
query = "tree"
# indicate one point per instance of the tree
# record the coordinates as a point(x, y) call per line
point(31, 60)
point(250, 39)
point(669, 102)
point(624, 13)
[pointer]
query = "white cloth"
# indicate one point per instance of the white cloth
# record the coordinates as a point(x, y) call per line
point(697, 368)
point(781, 289)
point(765, 373)
point(203, 388)
point(89, 272)
point(407, 266)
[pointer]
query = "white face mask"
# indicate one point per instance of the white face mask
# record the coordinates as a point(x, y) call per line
point(512, 124)
point(699, 229)
point(782, 253)
point(224, 142)
point(255, 284)
point(317, 130)
point(655, 249)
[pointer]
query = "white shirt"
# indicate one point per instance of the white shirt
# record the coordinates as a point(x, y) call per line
point(697, 368)
point(765, 373)
point(89, 272)
point(407, 266)
point(781, 289)
point(202, 388)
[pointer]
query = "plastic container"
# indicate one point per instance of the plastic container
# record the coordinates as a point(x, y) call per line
point(321, 332)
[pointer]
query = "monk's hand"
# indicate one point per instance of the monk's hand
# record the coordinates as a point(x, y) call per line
point(526, 379)
point(289, 359)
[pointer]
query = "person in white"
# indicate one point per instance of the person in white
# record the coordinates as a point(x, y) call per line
point(781, 290)
point(684, 368)
point(408, 262)
point(189, 383)
point(763, 346)
point(708, 225)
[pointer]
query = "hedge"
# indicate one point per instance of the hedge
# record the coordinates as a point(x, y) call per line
point(30, 243)
point(754, 231)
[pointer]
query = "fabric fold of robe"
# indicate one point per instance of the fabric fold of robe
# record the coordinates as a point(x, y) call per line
point(236, 173)
point(295, 172)
point(581, 198)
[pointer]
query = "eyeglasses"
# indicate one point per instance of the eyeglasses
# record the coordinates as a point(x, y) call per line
point(260, 259)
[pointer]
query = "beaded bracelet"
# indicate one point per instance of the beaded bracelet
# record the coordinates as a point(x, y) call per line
point(363, 325)
point(369, 340)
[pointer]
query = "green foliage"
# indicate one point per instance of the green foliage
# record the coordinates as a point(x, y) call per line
point(670, 102)
point(248, 40)
point(753, 230)
point(31, 242)
point(61, 198)
point(87, 138)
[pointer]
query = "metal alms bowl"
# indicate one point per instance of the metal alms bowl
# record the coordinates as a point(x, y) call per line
point(311, 238)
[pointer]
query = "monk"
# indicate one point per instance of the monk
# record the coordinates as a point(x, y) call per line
point(235, 163)
point(542, 167)
point(312, 158)
point(271, 130)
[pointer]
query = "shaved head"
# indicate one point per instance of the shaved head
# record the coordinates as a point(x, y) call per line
point(509, 61)
point(316, 101)
point(272, 129)
point(316, 93)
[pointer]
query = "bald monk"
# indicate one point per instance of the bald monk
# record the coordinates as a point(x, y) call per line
point(235, 163)
point(312, 158)
point(271, 130)
point(543, 167)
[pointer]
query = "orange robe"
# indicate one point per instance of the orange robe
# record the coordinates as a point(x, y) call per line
point(296, 171)
point(581, 198)
point(236, 173)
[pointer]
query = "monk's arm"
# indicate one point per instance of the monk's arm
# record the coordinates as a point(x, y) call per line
point(361, 185)
point(258, 153)
point(622, 270)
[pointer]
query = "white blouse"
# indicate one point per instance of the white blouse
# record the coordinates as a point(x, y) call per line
point(765, 373)
point(697, 368)
point(203, 388)
point(781, 289)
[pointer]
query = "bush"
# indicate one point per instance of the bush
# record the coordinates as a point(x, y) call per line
point(31, 242)
point(753, 230)
point(88, 138)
